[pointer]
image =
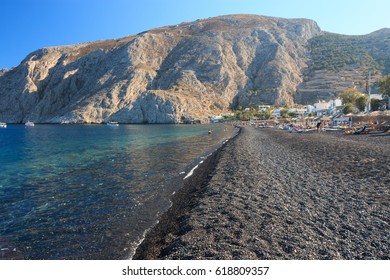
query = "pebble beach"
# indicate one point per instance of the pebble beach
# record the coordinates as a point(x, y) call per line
point(270, 194)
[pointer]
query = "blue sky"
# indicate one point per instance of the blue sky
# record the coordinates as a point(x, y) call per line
point(28, 25)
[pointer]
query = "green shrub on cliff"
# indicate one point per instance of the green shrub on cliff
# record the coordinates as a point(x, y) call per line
point(336, 52)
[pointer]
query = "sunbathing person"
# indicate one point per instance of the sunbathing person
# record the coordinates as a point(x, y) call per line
point(356, 131)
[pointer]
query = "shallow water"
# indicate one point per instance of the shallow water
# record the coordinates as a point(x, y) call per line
point(91, 191)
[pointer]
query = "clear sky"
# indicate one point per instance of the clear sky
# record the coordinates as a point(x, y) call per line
point(27, 25)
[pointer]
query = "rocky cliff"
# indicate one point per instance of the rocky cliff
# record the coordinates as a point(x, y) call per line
point(165, 75)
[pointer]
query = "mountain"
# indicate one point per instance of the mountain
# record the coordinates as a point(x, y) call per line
point(176, 73)
point(337, 62)
point(165, 75)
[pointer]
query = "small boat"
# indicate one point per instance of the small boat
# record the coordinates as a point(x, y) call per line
point(2, 123)
point(112, 124)
point(29, 124)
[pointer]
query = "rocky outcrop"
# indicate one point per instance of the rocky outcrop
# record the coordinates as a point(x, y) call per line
point(2, 71)
point(191, 70)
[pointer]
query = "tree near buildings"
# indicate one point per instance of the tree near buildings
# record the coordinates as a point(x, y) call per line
point(353, 100)
point(349, 108)
point(375, 104)
point(349, 96)
point(284, 113)
point(384, 86)
point(268, 113)
point(361, 102)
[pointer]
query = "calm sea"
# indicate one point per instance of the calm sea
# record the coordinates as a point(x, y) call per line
point(91, 191)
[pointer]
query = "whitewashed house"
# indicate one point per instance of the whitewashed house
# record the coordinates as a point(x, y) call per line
point(298, 111)
point(322, 108)
point(336, 106)
point(376, 96)
point(216, 119)
point(328, 108)
point(276, 113)
point(310, 109)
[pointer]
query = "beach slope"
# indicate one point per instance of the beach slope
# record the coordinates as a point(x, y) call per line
point(270, 194)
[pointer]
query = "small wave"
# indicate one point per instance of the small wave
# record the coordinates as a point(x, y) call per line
point(191, 172)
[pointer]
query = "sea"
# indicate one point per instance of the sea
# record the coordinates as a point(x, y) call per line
point(92, 191)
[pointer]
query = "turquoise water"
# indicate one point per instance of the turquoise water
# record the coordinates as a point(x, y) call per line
point(91, 191)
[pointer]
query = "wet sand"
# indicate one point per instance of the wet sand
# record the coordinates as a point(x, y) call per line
point(270, 194)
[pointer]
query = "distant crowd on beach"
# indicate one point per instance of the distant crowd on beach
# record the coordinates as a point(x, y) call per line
point(346, 125)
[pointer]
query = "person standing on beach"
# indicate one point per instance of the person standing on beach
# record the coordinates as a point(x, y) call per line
point(319, 127)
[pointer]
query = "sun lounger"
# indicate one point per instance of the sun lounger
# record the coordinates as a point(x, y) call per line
point(358, 131)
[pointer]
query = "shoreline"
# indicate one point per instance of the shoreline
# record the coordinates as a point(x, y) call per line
point(190, 187)
point(295, 196)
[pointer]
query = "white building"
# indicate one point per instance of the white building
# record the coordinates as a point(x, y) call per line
point(336, 106)
point(310, 108)
point(376, 96)
point(215, 119)
point(332, 107)
point(276, 113)
point(322, 105)
point(321, 108)
point(336, 103)
point(263, 108)
point(298, 111)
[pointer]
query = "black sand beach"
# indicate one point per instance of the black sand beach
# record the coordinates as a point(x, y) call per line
point(270, 194)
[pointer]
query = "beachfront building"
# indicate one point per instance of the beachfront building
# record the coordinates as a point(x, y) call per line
point(299, 112)
point(328, 108)
point(376, 96)
point(336, 106)
point(336, 103)
point(310, 109)
point(276, 113)
point(216, 119)
point(321, 108)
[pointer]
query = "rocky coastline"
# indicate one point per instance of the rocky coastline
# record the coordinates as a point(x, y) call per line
point(270, 194)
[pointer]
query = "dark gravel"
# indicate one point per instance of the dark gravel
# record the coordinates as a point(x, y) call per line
point(271, 194)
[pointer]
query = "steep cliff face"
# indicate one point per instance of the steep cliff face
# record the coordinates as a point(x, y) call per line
point(191, 70)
